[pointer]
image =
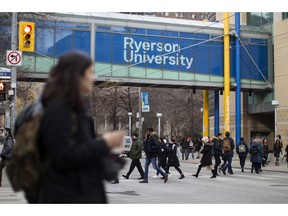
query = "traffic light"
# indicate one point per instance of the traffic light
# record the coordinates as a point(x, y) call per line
point(26, 36)
point(2, 92)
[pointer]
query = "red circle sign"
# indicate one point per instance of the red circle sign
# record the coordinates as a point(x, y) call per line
point(14, 58)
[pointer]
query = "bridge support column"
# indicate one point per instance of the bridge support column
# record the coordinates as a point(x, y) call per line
point(216, 112)
point(238, 80)
point(226, 73)
point(205, 113)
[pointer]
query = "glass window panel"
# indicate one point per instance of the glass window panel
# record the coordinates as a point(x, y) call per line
point(63, 41)
point(82, 41)
point(45, 41)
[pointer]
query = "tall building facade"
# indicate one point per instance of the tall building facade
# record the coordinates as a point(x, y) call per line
point(258, 113)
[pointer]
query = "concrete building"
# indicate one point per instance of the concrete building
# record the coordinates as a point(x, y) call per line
point(257, 110)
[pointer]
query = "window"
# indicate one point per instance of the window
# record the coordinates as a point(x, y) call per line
point(63, 41)
point(285, 15)
point(82, 41)
point(45, 41)
point(259, 18)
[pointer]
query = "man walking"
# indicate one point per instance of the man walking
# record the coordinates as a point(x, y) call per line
point(228, 147)
point(217, 151)
point(151, 149)
point(135, 154)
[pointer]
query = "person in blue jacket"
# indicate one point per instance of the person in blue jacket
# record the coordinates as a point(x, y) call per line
point(255, 152)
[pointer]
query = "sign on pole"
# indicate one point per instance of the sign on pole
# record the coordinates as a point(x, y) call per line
point(13, 58)
point(145, 102)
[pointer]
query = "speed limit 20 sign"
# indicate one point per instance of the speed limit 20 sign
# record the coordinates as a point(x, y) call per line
point(13, 58)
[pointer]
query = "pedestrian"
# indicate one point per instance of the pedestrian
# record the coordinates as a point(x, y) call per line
point(162, 157)
point(75, 174)
point(255, 152)
point(191, 147)
point(151, 149)
point(6, 153)
point(217, 141)
point(135, 155)
point(265, 150)
point(198, 146)
point(206, 160)
point(228, 147)
point(184, 145)
point(173, 159)
point(242, 151)
point(277, 149)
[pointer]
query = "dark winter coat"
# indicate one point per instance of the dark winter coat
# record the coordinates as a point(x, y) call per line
point(198, 145)
point(277, 147)
point(265, 150)
point(7, 148)
point(206, 159)
point(172, 155)
point(75, 173)
point(162, 157)
point(229, 153)
point(151, 146)
point(256, 158)
point(136, 149)
point(242, 154)
point(185, 144)
point(217, 146)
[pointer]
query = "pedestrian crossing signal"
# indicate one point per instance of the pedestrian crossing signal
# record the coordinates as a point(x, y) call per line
point(26, 36)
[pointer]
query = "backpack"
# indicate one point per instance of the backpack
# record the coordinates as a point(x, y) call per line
point(27, 167)
point(242, 148)
point(254, 150)
point(24, 168)
point(226, 145)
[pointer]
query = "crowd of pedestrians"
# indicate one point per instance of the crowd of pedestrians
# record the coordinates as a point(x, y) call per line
point(215, 154)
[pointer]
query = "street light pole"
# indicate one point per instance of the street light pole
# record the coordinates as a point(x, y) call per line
point(140, 114)
point(159, 115)
point(13, 68)
point(275, 103)
point(129, 115)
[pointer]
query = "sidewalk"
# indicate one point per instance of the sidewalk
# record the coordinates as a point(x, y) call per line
point(236, 164)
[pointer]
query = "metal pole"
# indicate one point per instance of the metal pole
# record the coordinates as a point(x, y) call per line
point(159, 126)
point(105, 124)
point(14, 38)
point(216, 112)
point(275, 123)
point(238, 80)
point(206, 113)
point(129, 125)
point(226, 73)
point(140, 114)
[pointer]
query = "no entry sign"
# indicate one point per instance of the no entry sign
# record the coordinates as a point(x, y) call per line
point(13, 58)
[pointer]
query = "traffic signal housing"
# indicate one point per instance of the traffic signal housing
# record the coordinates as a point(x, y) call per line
point(2, 92)
point(27, 36)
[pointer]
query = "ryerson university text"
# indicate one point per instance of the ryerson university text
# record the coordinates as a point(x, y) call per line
point(135, 51)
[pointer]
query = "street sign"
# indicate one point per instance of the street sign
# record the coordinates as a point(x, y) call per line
point(145, 102)
point(13, 58)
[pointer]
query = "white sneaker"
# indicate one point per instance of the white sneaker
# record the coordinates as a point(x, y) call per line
point(155, 177)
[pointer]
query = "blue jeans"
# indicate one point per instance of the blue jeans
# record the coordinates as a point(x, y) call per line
point(228, 164)
point(155, 166)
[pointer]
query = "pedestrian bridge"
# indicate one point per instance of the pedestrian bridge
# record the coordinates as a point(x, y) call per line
point(137, 50)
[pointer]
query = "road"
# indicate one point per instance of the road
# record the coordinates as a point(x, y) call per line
point(240, 188)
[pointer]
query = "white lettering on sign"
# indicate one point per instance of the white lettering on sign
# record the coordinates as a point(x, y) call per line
point(133, 48)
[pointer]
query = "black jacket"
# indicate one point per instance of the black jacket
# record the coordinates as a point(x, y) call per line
point(75, 171)
point(217, 146)
point(151, 146)
point(206, 159)
point(172, 155)
point(7, 148)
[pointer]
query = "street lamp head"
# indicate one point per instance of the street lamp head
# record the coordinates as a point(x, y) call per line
point(275, 103)
point(130, 113)
point(159, 114)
